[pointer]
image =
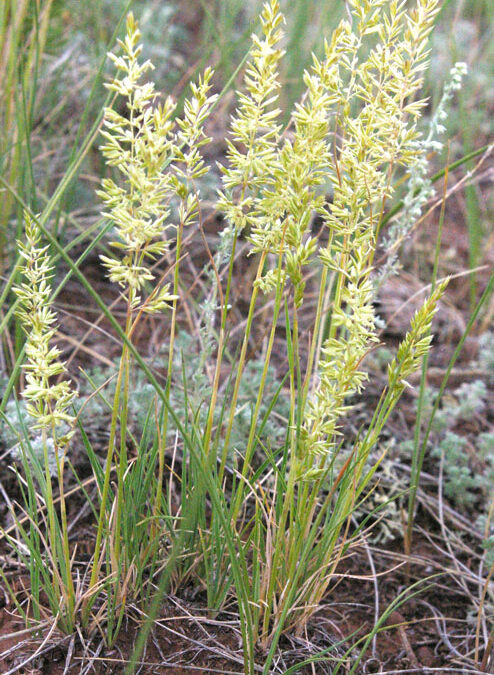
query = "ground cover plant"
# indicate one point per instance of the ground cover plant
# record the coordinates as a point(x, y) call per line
point(238, 452)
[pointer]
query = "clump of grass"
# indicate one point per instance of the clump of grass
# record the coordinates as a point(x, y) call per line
point(48, 403)
point(23, 36)
point(272, 530)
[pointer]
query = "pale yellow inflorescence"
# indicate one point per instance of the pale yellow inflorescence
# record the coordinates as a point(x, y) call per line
point(379, 136)
point(254, 127)
point(355, 123)
point(158, 156)
point(416, 343)
point(48, 402)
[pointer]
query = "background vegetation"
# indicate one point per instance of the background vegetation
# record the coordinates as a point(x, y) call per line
point(429, 507)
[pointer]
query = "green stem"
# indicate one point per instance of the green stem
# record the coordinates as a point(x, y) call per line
point(240, 367)
point(249, 451)
point(314, 343)
point(219, 361)
point(102, 521)
point(418, 457)
point(161, 454)
point(122, 463)
point(49, 498)
point(282, 547)
point(67, 576)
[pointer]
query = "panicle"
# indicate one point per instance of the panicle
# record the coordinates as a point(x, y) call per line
point(255, 130)
point(355, 123)
point(376, 120)
point(415, 344)
point(157, 156)
point(47, 402)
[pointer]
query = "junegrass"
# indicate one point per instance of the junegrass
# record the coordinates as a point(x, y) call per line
point(265, 523)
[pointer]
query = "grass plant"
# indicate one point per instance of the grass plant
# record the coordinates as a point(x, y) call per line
point(23, 36)
point(261, 519)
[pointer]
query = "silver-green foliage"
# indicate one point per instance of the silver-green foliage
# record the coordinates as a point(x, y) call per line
point(468, 474)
